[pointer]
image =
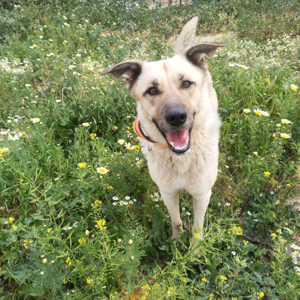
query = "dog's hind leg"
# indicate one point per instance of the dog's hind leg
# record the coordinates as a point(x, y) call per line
point(171, 200)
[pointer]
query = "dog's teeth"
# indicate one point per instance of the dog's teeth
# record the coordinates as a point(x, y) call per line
point(172, 144)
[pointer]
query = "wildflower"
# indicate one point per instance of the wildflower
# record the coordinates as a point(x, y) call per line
point(265, 114)
point(89, 280)
point(130, 202)
point(227, 204)
point(260, 294)
point(45, 260)
point(27, 85)
point(294, 87)
point(57, 100)
point(255, 153)
point(273, 235)
point(285, 121)
point(52, 261)
point(249, 213)
point(26, 243)
point(197, 235)
point(223, 278)
point(87, 233)
point(115, 198)
point(258, 112)
point(233, 253)
point(246, 110)
point(188, 213)
point(82, 165)
point(81, 241)
point(85, 124)
point(93, 135)
point(42, 273)
point(245, 243)
point(278, 125)
point(119, 240)
point(146, 287)
point(130, 242)
point(102, 170)
point(10, 219)
point(285, 136)
point(14, 227)
point(72, 67)
point(127, 198)
point(68, 261)
point(35, 120)
point(267, 174)
point(41, 37)
point(132, 257)
point(203, 279)
point(255, 220)
point(100, 224)
point(228, 247)
point(236, 230)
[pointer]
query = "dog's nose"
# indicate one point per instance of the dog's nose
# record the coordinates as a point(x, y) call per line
point(176, 116)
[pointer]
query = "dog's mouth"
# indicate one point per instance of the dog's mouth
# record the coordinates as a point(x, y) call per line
point(179, 141)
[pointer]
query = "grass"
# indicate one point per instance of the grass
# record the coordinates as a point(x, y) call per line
point(80, 216)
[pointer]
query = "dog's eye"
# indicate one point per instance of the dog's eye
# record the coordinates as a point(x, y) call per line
point(152, 91)
point(186, 84)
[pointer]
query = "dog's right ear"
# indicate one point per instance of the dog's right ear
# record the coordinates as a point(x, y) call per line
point(128, 70)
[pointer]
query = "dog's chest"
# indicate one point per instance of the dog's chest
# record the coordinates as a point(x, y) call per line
point(172, 171)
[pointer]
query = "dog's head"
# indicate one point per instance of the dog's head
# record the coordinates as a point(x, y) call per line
point(169, 91)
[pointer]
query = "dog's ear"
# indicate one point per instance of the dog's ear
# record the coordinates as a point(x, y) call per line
point(186, 36)
point(128, 71)
point(200, 53)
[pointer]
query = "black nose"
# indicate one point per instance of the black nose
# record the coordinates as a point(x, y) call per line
point(176, 116)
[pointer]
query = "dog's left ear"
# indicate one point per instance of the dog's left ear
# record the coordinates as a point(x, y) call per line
point(200, 53)
point(127, 70)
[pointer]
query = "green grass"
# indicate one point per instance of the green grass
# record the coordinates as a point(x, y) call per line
point(61, 236)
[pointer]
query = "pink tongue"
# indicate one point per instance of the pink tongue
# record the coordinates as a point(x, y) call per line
point(178, 138)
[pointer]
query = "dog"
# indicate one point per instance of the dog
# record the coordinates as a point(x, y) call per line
point(178, 123)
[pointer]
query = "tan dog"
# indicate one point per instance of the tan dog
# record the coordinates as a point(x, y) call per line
point(177, 107)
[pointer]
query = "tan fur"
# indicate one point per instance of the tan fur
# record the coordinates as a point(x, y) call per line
point(194, 171)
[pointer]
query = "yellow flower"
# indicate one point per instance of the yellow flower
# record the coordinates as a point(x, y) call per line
point(260, 294)
point(11, 219)
point(26, 243)
point(267, 174)
point(223, 278)
point(273, 235)
point(100, 224)
point(93, 135)
point(146, 287)
point(14, 227)
point(278, 125)
point(82, 165)
point(236, 230)
point(203, 279)
point(82, 241)
point(85, 124)
point(89, 280)
point(49, 229)
point(258, 111)
point(68, 261)
point(87, 233)
point(285, 121)
point(245, 243)
point(197, 235)
point(45, 260)
point(255, 153)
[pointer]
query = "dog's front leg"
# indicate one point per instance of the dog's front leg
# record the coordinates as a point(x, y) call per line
point(200, 203)
point(171, 200)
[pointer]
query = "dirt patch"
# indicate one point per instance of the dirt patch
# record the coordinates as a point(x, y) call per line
point(295, 200)
point(219, 37)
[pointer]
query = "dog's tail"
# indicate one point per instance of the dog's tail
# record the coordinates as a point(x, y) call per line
point(186, 36)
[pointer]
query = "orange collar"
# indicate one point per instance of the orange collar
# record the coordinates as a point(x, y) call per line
point(139, 132)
